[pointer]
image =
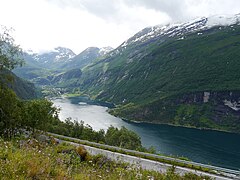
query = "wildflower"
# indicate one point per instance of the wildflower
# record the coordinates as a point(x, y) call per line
point(138, 175)
point(99, 176)
point(150, 178)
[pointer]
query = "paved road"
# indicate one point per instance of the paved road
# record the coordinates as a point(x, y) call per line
point(149, 164)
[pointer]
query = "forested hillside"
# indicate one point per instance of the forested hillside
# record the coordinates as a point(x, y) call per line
point(180, 76)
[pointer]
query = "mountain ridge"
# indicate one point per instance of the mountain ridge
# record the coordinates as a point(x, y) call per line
point(53, 57)
point(178, 29)
point(86, 57)
point(48, 67)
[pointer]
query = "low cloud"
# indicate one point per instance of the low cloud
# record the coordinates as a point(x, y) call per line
point(78, 24)
point(175, 10)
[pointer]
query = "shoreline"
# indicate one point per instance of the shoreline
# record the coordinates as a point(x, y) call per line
point(145, 122)
point(175, 125)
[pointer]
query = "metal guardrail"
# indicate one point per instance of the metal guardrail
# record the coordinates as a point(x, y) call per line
point(147, 155)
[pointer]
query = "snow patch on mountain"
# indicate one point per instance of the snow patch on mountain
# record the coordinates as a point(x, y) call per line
point(52, 57)
point(63, 54)
point(223, 20)
point(105, 50)
point(180, 29)
point(30, 51)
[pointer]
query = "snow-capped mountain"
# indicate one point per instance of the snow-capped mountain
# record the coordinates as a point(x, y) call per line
point(64, 58)
point(51, 58)
point(86, 57)
point(104, 50)
point(30, 52)
point(59, 54)
point(181, 29)
point(63, 54)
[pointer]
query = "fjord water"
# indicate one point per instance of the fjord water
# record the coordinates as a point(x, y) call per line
point(209, 147)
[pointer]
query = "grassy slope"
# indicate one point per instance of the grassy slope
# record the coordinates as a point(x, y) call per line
point(34, 160)
point(24, 89)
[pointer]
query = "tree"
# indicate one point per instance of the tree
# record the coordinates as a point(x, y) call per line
point(10, 106)
point(112, 136)
point(10, 53)
point(10, 56)
point(40, 114)
point(10, 113)
point(123, 138)
point(129, 139)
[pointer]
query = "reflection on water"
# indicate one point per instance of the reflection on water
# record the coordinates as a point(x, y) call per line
point(209, 147)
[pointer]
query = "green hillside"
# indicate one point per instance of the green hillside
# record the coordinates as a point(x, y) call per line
point(22, 88)
point(84, 58)
point(164, 80)
point(68, 79)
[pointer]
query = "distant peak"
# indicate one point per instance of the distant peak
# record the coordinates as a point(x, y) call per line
point(105, 50)
point(91, 48)
point(62, 49)
point(30, 51)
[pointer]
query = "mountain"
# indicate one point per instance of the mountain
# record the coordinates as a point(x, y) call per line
point(38, 66)
point(68, 79)
point(86, 57)
point(42, 69)
point(53, 58)
point(31, 69)
point(182, 74)
point(180, 29)
point(105, 50)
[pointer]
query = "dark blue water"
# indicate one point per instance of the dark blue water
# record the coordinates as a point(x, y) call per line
point(204, 146)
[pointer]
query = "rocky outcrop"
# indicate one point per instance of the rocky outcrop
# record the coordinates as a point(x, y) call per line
point(224, 105)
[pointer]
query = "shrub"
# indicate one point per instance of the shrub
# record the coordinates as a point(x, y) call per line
point(82, 152)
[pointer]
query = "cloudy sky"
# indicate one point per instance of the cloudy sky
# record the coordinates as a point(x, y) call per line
point(77, 24)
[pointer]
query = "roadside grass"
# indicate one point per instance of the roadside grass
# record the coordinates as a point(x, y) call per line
point(30, 159)
point(153, 157)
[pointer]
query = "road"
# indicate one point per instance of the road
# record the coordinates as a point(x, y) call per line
point(150, 164)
